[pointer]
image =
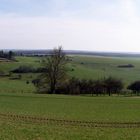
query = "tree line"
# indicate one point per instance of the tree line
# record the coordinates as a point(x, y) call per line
point(75, 86)
point(95, 87)
point(28, 69)
point(8, 55)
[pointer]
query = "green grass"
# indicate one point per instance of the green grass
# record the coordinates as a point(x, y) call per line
point(16, 86)
point(92, 68)
point(68, 107)
point(12, 131)
point(17, 97)
point(73, 107)
point(100, 67)
point(28, 61)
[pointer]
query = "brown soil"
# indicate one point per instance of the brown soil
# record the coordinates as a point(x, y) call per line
point(78, 123)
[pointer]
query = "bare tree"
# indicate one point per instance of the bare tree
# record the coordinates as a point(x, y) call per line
point(55, 69)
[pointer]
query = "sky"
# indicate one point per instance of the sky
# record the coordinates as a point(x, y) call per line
point(91, 25)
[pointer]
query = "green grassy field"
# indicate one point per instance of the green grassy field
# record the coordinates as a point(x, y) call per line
point(84, 67)
point(100, 67)
point(21, 61)
point(71, 108)
point(16, 131)
point(18, 97)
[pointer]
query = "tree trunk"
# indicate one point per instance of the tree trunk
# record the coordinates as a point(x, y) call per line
point(52, 90)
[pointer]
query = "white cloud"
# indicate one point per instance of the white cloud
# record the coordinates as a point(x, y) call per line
point(116, 29)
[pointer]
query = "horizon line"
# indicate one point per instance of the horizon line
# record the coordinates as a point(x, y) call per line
point(86, 51)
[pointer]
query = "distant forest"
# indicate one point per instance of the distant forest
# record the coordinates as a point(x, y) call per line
point(75, 52)
point(7, 55)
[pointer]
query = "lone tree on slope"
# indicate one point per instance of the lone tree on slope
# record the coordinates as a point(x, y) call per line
point(55, 70)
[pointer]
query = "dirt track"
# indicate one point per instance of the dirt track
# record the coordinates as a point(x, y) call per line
point(43, 120)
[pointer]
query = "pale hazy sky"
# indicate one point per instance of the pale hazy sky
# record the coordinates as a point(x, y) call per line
point(96, 25)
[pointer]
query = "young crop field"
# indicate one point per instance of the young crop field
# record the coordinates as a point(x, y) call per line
point(68, 117)
point(26, 131)
point(114, 109)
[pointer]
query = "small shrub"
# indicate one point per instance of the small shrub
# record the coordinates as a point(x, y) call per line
point(135, 87)
point(28, 69)
point(126, 66)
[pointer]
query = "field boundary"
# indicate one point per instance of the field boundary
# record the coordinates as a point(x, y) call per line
point(78, 123)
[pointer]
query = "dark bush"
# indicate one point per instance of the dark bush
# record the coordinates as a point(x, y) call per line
point(70, 86)
point(23, 69)
point(40, 70)
point(113, 85)
point(28, 69)
point(135, 87)
point(106, 86)
point(75, 86)
point(41, 88)
point(72, 69)
point(36, 82)
point(98, 87)
point(126, 66)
